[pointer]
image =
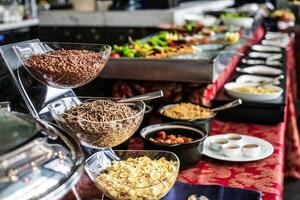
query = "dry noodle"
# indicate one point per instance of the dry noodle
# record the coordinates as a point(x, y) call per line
point(102, 123)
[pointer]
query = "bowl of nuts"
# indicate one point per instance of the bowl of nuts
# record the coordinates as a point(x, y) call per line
point(63, 65)
point(133, 175)
point(185, 139)
point(98, 122)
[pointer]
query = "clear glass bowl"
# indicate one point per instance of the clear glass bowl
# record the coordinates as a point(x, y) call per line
point(98, 163)
point(96, 134)
point(64, 70)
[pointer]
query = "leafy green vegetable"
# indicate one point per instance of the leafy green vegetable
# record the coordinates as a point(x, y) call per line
point(137, 48)
point(234, 15)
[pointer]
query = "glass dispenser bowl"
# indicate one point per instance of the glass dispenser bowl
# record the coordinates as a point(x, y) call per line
point(63, 65)
point(124, 182)
point(102, 131)
point(37, 161)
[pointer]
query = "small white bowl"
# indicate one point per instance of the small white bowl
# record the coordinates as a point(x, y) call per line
point(251, 150)
point(234, 139)
point(231, 150)
point(217, 144)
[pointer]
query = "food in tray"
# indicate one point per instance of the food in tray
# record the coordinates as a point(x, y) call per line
point(170, 44)
point(235, 15)
point(187, 28)
point(102, 123)
point(232, 37)
point(187, 111)
point(165, 138)
point(138, 178)
point(256, 89)
point(164, 44)
point(283, 15)
point(75, 66)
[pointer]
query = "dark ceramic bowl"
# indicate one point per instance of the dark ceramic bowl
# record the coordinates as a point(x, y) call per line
point(189, 153)
point(205, 123)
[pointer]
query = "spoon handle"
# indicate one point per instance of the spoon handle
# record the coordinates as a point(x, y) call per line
point(228, 105)
point(143, 97)
point(277, 78)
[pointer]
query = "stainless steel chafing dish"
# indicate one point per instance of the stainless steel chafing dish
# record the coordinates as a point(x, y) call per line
point(37, 160)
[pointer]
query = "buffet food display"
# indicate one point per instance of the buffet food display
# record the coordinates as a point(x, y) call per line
point(101, 123)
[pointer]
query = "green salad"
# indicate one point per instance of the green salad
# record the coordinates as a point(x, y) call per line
point(137, 48)
point(235, 15)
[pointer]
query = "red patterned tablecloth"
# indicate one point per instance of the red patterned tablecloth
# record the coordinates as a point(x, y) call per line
point(265, 175)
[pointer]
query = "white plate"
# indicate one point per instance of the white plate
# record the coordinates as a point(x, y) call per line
point(261, 62)
point(264, 55)
point(254, 79)
point(266, 149)
point(248, 96)
point(263, 48)
point(278, 42)
point(261, 70)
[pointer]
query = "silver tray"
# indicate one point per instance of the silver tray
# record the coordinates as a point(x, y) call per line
point(180, 70)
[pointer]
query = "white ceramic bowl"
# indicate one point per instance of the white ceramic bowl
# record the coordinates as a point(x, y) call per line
point(217, 144)
point(234, 139)
point(231, 150)
point(249, 96)
point(245, 22)
point(251, 150)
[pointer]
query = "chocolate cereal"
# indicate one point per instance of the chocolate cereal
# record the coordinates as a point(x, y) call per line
point(66, 67)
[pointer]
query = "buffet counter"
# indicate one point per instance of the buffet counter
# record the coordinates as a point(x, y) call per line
point(266, 175)
point(139, 18)
point(19, 25)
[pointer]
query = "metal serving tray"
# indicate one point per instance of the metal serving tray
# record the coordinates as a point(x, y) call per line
point(180, 70)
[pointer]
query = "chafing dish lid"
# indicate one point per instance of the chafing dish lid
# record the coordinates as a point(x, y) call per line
point(15, 130)
point(33, 163)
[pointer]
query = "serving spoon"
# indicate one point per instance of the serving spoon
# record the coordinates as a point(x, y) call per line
point(143, 97)
point(274, 80)
point(226, 106)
